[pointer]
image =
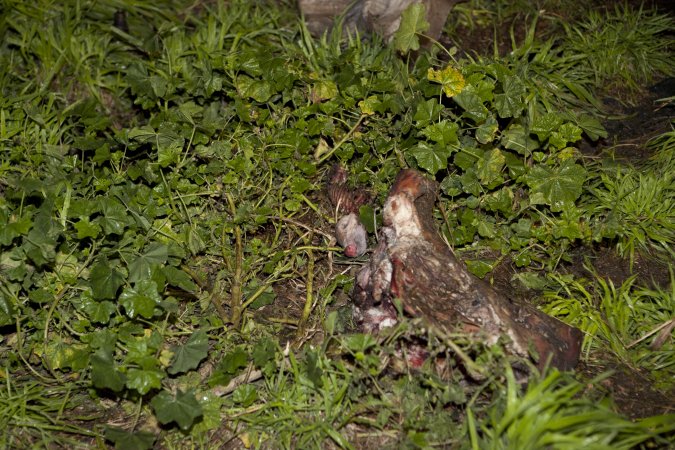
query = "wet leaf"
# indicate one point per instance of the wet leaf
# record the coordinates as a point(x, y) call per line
point(189, 355)
point(141, 299)
point(183, 408)
point(450, 79)
point(413, 22)
point(557, 187)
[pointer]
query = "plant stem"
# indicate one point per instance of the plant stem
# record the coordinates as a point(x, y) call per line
point(309, 299)
point(235, 291)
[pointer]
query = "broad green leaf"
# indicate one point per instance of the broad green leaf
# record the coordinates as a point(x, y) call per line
point(87, 229)
point(450, 79)
point(486, 132)
point(359, 342)
point(545, 124)
point(182, 409)
point(141, 267)
point(413, 22)
point(470, 182)
point(125, 440)
point(516, 138)
point(41, 295)
point(591, 125)
point(432, 159)
point(370, 105)
point(466, 159)
point(500, 201)
point(510, 103)
point(487, 229)
point(10, 229)
point(39, 245)
point(427, 112)
point(567, 133)
point(7, 310)
point(452, 185)
point(490, 166)
point(478, 267)
point(142, 134)
point(180, 279)
point(141, 299)
point(104, 280)
point(104, 375)
point(324, 90)
point(229, 366)
point(263, 352)
point(115, 216)
point(558, 187)
point(169, 154)
point(443, 133)
point(472, 105)
point(368, 218)
point(61, 355)
point(144, 380)
point(188, 356)
point(258, 90)
point(97, 311)
point(245, 395)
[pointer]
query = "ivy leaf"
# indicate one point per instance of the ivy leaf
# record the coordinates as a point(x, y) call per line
point(557, 187)
point(490, 167)
point(124, 440)
point(232, 363)
point(10, 229)
point(431, 159)
point(472, 105)
point(263, 353)
point(7, 311)
point(40, 246)
point(485, 133)
point(99, 312)
point(245, 395)
point(413, 22)
point(62, 355)
point(589, 124)
point(182, 409)
point(567, 133)
point(510, 103)
point(545, 124)
point(370, 105)
point(516, 138)
point(470, 183)
point(180, 279)
point(258, 90)
point(141, 267)
point(140, 299)
point(104, 375)
point(188, 355)
point(443, 133)
point(104, 280)
point(87, 229)
point(144, 380)
point(324, 90)
point(451, 80)
point(478, 267)
point(170, 153)
point(115, 217)
point(427, 112)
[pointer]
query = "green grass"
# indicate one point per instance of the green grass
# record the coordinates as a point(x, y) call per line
point(623, 321)
point(163, 232)
point(626, 48)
